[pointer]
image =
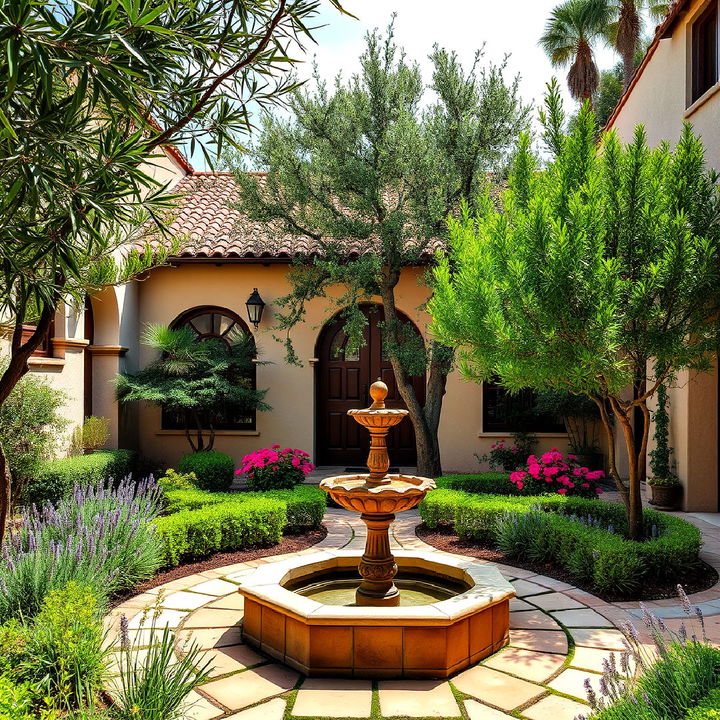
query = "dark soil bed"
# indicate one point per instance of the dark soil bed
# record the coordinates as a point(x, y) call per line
point(289, 544)
point(702, 579)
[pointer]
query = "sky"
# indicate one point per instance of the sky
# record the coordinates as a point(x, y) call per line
point(510, 27)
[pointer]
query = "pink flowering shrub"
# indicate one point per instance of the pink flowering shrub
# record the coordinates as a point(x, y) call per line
point(274, 468)
point(509, 456)
point(553, 472)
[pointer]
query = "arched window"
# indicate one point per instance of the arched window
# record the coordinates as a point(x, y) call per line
point(221, 324)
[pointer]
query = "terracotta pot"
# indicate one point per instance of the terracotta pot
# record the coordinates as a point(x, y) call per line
point(666, 497)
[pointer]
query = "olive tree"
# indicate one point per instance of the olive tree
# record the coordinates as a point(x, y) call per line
point(362, 163)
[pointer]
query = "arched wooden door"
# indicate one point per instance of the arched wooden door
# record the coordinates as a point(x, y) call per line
point(342, 383)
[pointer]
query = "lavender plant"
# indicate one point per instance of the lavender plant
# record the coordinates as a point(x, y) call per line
point(661, 681)
point(100, 537)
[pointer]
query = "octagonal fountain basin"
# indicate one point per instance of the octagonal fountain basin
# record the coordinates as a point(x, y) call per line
point(454, 612)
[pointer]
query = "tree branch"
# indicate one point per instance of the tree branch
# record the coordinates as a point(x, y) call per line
point(165, 136)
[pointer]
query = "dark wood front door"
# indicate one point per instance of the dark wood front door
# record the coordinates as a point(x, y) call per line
point(343, 381)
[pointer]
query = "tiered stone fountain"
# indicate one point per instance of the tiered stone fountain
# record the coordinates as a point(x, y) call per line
point(415, 614)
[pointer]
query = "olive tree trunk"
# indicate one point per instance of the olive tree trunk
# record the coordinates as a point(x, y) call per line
point(425, 419)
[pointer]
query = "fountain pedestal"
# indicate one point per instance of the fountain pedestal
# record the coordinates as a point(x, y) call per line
point(377, 496)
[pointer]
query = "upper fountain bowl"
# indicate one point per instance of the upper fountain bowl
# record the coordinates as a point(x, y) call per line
point(394, 494)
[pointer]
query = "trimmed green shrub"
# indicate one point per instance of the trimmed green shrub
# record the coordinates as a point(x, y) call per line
point(172, 480)
point(214, 470)
point(439, 506)
point(586, 537)
point(55, 479)
point(493, 483)
point(305, 504)
point(223, 527)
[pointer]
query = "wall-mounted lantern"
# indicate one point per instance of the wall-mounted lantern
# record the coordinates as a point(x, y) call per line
point(255, 307)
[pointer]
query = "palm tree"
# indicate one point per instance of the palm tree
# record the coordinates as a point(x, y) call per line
point(625, 29)
point(574, 26)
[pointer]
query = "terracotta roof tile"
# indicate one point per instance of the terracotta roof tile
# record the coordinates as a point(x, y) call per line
point(209, 228)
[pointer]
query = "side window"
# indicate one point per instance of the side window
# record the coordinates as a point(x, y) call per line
point(704, 59)
point(228, 327)
point(514, 412)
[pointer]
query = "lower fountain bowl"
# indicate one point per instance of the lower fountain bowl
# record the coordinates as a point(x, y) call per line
point(454, 612)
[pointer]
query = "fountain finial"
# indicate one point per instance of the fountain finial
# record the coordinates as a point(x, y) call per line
point(378, 392)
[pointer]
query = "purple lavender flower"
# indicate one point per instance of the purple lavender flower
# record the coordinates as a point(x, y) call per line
point(684, 600)
point(591, 696)
point(124, 632)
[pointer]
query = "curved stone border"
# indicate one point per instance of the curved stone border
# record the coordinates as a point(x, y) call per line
point(559, 637)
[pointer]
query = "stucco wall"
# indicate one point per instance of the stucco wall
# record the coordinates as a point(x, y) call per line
point(660, 100)
point(291, 390)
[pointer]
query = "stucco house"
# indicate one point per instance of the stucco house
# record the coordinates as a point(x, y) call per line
point(679, 81)
point(224, 258)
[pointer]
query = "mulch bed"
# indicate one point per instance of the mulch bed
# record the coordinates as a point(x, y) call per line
point(702, 579)
point(289, 544)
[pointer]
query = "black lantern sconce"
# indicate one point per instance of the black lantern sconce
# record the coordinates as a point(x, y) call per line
point(255, 307)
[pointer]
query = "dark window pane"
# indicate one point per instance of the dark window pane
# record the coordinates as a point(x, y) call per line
point(508, 413)
point(705, 52)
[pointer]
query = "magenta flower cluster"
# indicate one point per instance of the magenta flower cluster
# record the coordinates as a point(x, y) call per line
point(553, 472)
point(266, 457)
point(275, 467)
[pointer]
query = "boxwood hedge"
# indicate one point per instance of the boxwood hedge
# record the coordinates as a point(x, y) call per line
point(586, 537)
point(305, 505)
point(223, 527)
point(55, 479)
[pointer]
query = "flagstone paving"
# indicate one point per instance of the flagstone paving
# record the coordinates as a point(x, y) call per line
point(559, 636)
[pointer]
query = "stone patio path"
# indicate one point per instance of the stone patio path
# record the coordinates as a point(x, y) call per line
point(559, 636)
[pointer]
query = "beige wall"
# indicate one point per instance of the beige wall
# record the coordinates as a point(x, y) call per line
point(291, 390)
point(660, 101)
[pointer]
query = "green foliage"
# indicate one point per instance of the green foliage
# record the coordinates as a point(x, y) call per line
point(101, 537)
point(510, 457)
point(17, 700)
point(361, 160)
point(65, 658)
point(367, 164)
point(200, 381)
point(589, 270)
point(681, 685)
point(91, 435)
point(305, 505)
point(222, 527)
point(55, 479)
point(491, 483)
point(708, 709)
point(69, 203)
point(213, 470)
point(661, 454)
point(586, 537)
point(31, 426)
point(608, 94)
point(13, 644)
point(173, 480)
point(154, 682)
